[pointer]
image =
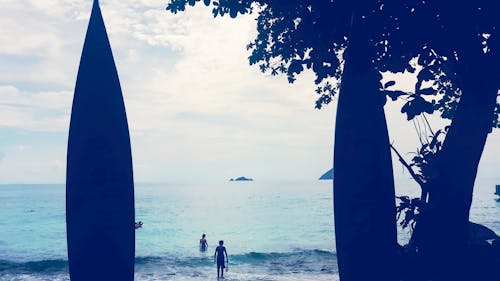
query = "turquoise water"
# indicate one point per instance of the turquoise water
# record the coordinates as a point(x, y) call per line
point(272, 231)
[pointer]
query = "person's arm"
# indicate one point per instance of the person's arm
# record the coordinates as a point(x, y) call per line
point(215, 255)
point(227, 258)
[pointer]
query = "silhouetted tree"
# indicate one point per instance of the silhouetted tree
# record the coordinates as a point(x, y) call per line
point(458, 46)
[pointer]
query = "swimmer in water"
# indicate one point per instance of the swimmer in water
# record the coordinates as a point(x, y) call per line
point(138, 224)
point(203, 243)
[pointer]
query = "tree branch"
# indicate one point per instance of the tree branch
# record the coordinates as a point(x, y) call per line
point(408, 167)
point(428, 124)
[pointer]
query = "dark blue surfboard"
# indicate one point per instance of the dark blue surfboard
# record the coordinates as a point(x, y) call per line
point(99, 179)
point(364, 200)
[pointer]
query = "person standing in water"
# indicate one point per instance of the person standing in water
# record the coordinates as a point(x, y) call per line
point(203, 243)
point(219, 258)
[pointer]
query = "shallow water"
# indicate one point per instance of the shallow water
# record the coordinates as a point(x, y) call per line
point(272, 231)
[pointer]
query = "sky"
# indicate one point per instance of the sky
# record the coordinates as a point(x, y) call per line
point(196, 109)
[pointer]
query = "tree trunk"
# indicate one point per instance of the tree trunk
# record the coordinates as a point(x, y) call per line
point(450, 193)
point(364, 202)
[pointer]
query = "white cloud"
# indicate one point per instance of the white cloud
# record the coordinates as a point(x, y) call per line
point(193, 101)
point(40, 111)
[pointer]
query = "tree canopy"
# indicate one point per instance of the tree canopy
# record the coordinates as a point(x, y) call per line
point(445, 37)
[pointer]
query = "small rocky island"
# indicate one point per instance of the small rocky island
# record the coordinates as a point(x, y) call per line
point(328, 175)
point(241, 179)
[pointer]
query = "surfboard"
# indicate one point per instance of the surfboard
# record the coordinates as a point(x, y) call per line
point(364, 202)
point(99, 178)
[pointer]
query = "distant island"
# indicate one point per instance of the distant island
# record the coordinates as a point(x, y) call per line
point(328, 175)
point(241, 179)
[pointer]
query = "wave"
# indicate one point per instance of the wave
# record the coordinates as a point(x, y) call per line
point(45, 266)
point(256, 256)
point(297, 261)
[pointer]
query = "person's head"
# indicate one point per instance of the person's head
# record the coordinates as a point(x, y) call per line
point(203, 235)
point(221, 242)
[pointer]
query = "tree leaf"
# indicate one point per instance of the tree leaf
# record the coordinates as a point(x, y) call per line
point(427, 91)
point(434, 139)
point(233, 13)
point(388, 84)
point(394, 95)
point(425, 74)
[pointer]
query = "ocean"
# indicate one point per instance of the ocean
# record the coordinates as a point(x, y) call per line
point(272, 230)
